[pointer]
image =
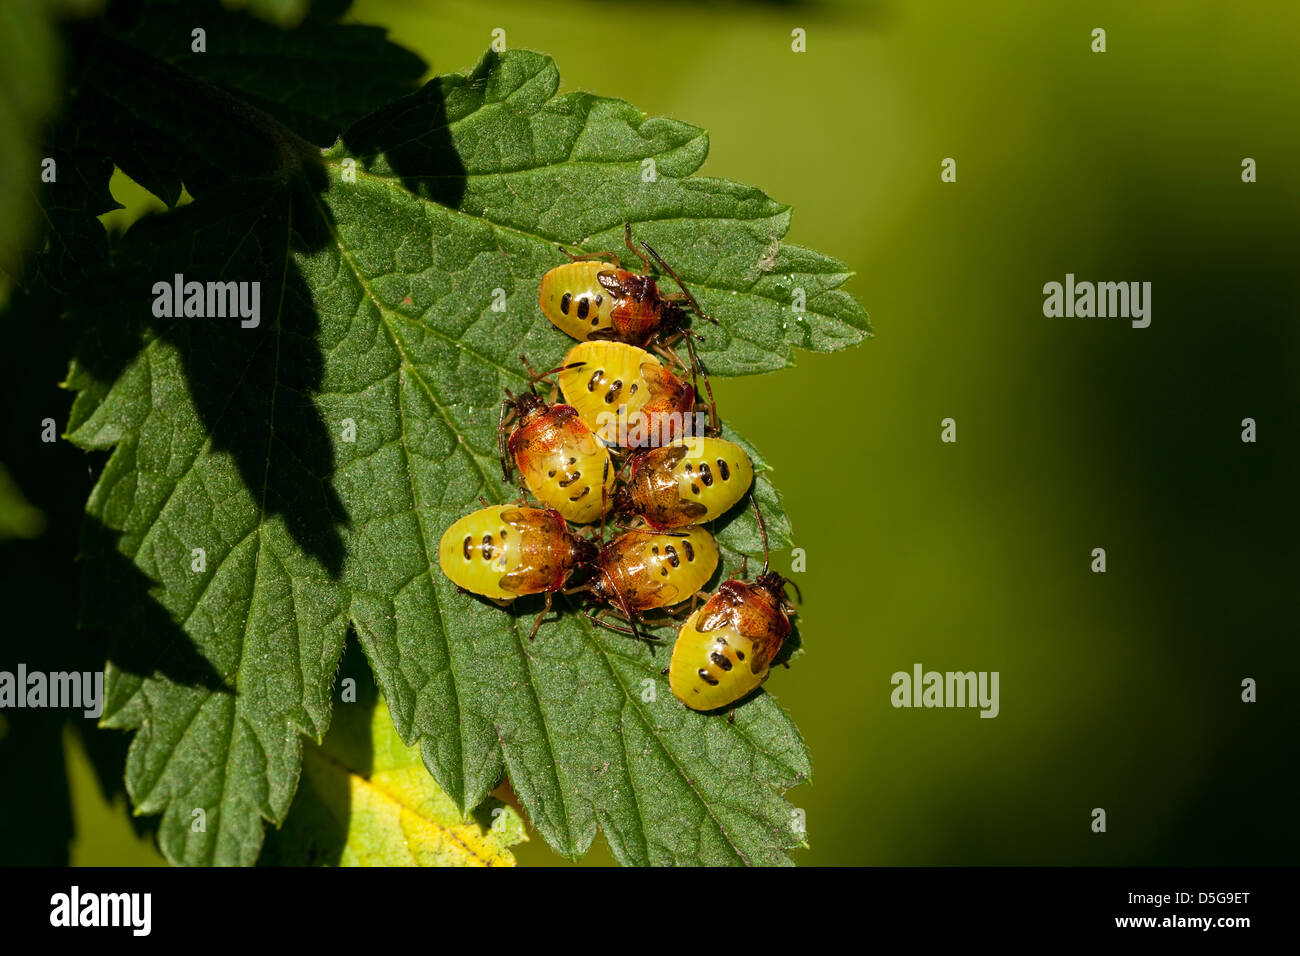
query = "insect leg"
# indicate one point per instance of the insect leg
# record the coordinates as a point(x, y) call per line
point(628, 460)
point(618, 477)
point(683, 610)
point(538, 623)
point(629, 631)
point(798, 593)
point(666, 619)
point(665, 348)
point(507, 402)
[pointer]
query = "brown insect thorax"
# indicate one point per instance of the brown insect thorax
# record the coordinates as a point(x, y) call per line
point(668, 395)
point(642, 313)
point(652, 491)
point(540, 426)
point(611, 581)
point(572, 551)
point(758, 610)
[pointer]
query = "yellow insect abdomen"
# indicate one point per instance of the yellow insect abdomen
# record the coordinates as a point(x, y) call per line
point(693, 574)
point(608, 387)
point(575, 302)
point(480, 548)
point(569, 479)
point(677, 564)
point(713, 669)
point(714, 472)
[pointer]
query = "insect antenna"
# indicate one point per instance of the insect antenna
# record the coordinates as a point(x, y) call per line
point(624, 608)
point(762, 530)
point(604, 498)
point(685, 291)
point(696, 363)
point(620, 628)
point(797, 592)
point(535, 376)
point(594, 619)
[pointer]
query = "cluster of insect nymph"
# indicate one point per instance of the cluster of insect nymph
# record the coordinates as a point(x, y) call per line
point(622, 450)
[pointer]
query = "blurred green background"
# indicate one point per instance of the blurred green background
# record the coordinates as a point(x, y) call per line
point(1118, 690)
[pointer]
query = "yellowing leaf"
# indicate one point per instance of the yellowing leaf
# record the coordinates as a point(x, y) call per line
point(366, 799)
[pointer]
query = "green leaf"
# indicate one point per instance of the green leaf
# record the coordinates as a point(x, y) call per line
point(366, 798)
point(29, 61)
point(524, 169)
point(18, 517)
point(377, 292)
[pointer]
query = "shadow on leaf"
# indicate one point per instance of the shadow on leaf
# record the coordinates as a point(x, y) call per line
point(142, 638)
point(315, 832)
point(253, 386)
point(413, 137)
